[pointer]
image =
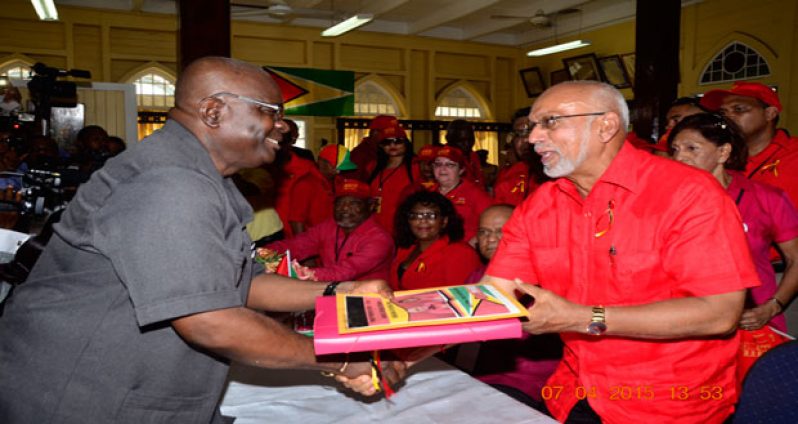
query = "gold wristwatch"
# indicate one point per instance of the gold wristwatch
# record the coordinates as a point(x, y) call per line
point(598, 324)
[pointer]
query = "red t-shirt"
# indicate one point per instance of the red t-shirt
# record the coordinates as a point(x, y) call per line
point(668, 238)
point(469, 201)
point(513, 185)
point(442, 264)
point(387, 188)
point(777, 165)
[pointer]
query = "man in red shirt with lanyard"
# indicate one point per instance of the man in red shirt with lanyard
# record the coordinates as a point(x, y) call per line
point(643, 278)
point(772, 153)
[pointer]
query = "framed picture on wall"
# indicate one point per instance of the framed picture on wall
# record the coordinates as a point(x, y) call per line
point(584, 67)
point(559, 76)
point(628, 60)
point(533, 81)
point(614, 71)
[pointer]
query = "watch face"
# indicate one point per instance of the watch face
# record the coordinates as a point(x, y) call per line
point(596, 328)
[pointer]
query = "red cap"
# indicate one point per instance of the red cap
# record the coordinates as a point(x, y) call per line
point(713, 98)
point(644, 144)
point(452, 153)
point(426, 153)
point(383, 121)
point(354, 188)
point(394, 131)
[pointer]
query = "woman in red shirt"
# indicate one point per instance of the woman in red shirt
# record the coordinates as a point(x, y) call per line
point(392, 173)
point(430, 251)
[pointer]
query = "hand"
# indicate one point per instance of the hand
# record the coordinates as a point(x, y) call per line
point(379, 287)
point(551, 313)
point(756, 318)
point(302, 272)
point(357, 376)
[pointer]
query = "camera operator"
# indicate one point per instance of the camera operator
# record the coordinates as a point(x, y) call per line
point(91, 154)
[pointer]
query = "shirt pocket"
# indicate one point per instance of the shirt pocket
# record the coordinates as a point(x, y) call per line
point(155, 409)
point(638, 278)
point(552, 266)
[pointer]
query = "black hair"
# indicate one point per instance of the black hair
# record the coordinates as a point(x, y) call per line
point(521, 113)
point(692, 101)
point(719, 131)
point(382, 161)
point(454, 225)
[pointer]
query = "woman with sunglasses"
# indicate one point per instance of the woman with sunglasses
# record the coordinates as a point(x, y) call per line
point(428, 238)
point(393, 171)
point(714, 144)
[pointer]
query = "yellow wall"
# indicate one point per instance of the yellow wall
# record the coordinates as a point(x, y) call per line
point(115, 45)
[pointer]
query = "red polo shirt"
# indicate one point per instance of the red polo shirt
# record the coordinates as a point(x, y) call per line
point(514, 185)
point(777, 165)
point(303, 194)
point(442, 264)
point(668, 238)
point(469, 201)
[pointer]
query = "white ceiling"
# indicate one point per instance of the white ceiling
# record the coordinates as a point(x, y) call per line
point(465, 20)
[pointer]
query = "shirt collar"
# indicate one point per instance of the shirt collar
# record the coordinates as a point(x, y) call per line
point(620, 172)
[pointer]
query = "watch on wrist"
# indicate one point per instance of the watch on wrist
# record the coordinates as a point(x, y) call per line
point(598, 324)
point(330, 289)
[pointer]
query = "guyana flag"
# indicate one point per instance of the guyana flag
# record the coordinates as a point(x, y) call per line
point(315, 92)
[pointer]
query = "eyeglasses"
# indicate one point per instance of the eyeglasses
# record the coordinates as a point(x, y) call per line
point(392, 141)
point(264, 107)
point(549, 123)
point(450, 165)
point(418, 216)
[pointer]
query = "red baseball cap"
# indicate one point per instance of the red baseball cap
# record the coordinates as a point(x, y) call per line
point(452, 153)
point(354, 188)
point(394, 131)
point(426, 153)
point(712, 99)
point(382, 121)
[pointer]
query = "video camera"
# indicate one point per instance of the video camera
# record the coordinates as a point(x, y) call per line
point(47, 91)
point(42, 192)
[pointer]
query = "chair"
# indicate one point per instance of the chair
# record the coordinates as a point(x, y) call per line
point(770, 390)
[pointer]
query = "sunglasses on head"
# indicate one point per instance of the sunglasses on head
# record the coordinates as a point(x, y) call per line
point(392, 141)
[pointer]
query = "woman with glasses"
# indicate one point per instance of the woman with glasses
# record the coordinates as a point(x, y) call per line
point(714, 144)
point(392, 173)
point(468, 198)
point(430, 251)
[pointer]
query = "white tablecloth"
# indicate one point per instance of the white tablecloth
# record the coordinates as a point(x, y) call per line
point(434, 393)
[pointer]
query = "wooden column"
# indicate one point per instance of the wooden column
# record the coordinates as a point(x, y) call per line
point(657, 63)
point(203, 30)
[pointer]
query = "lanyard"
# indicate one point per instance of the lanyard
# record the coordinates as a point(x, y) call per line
point(384, 180)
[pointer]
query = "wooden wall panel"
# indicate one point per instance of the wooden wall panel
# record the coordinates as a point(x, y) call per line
point(269, 51)
point(371, 58)
point(462, 64)
point(120, 68)
point(25, 34)
point(88, 50)
point(143, 42)
point(418, 95)
point(323, 56)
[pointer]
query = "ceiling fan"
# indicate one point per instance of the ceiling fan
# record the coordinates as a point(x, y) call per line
point(540, 19)
point(276, 9)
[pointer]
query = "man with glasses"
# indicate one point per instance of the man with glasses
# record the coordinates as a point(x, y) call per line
point(772, 153)
point(643, 277)
point(518, 180)
point(146, 290)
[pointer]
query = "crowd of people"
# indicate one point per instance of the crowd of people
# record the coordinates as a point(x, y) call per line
point(641, 268)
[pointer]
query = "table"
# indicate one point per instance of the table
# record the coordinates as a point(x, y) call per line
point(434, 392)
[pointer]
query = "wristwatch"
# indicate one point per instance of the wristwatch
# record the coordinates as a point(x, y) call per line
point(598, 324)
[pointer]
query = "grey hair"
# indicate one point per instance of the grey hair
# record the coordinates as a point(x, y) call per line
point(606, 95)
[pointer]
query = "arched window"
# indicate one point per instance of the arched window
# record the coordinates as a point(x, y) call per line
point(155, 94)
point(735, 62)
point(16, 70)
point(461, 103)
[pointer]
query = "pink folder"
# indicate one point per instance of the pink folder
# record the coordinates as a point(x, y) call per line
point(326, 339)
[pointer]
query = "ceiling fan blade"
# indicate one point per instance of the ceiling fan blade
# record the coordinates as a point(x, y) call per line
point(509, 17)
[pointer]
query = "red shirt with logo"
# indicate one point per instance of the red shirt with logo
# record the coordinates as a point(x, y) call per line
point(442, 264)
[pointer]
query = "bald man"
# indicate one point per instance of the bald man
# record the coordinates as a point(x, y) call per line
point(643, 277)
point(146, 291)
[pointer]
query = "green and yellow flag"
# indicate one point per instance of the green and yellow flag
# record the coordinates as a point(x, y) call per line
point(315, 92)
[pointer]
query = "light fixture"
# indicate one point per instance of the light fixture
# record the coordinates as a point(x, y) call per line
point(558, 48)
point(45, 9)
point(347, 25)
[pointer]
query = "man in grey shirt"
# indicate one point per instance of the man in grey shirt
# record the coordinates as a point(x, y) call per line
point(146, 290)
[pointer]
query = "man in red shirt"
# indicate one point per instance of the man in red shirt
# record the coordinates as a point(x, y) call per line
point(643, 277)
point(772, 153)
point(516, 182)
point(351, 245)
